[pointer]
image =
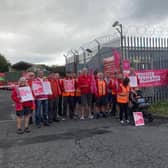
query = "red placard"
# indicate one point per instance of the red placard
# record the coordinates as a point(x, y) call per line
point(138, 119)
point(37, 87)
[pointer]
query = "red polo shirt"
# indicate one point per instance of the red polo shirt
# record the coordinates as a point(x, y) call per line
point(84, 83)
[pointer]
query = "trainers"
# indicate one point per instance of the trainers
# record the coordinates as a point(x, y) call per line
point(82, 118)
point(122, 122)
point(91, 117)
point(127, 121)
point(19, 131)
point(27, 130)
point(46, 124)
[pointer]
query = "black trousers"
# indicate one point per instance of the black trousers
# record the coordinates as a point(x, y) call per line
point(123, 110)
point(114, 104)
point(60, 111)
point(53, 109)
point(68, 100)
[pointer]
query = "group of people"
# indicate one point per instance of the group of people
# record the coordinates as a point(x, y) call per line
point(81, 95)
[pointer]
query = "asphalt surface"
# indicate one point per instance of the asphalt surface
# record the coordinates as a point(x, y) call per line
point(102, 143)
point(6, 106)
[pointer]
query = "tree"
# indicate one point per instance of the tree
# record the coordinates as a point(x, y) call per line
point(56, 68)
point(21, 66)
point(4, 64)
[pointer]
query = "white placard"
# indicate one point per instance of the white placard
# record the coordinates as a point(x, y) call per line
point(25, 94)
point(47, 88)
point(133, 81)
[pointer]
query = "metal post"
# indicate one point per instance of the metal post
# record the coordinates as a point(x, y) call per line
point(84, 56)
point(99, 56)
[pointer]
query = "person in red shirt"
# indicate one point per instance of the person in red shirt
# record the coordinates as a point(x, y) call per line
point(59, 82)
point(23, 109)
point(84, 83)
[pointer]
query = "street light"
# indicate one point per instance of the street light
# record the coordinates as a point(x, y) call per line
point(119, 27)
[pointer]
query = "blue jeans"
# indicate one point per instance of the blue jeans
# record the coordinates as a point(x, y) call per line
point(41, 113)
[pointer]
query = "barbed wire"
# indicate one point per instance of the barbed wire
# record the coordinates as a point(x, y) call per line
point(128, 30)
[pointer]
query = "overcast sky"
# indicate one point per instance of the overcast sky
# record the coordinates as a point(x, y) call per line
point(41, 31)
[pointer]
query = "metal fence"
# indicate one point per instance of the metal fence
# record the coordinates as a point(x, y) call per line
point(148, 53)
point(143, 52)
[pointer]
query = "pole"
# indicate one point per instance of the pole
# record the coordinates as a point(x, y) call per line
point(121, 59)
point(99, 58)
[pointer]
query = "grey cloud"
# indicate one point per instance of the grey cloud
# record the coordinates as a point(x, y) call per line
point(150, 11)
point(44, 29)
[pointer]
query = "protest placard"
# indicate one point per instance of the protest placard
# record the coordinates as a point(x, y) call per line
point(25, 94)
point(138, 119)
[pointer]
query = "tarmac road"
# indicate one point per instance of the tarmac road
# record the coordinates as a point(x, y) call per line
point(102, 143)
point(7, 111)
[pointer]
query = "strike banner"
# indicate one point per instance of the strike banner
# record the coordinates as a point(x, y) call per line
point(112, 64)
point(138, 119)
point(150, 78)
point(25, 94)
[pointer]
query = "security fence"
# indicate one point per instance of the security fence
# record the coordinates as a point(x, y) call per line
point(144, 53)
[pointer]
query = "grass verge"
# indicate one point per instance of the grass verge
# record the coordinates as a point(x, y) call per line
point(160, 108)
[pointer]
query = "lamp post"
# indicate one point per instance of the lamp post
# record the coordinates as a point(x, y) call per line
point(98, 47)
point(119, 27)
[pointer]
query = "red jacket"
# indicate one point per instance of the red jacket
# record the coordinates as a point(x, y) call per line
point(114, 86)
point(56, 90)
point(84, 83)
point(18, 104)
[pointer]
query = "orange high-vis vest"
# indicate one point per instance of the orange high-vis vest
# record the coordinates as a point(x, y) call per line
point(101, 88)
point(69, 87)
point(123, 97)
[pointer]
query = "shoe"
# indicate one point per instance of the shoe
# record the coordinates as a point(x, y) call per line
point(127, 121)
point(19, 131)
point(82, 118)
point(46, 124)
point(63, 119)
point(30, 121)
point(39, 126)
point(97, 115)
point(122, 122)
point(50, 121)
point(56, 120)
point(91, 117)
point(27, 130)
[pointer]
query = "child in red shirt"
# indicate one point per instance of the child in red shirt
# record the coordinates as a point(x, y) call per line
point(23, 109)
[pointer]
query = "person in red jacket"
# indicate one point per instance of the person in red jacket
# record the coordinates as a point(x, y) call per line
point(84, 83)
point(53, 100)
point(101, 97)
point(23, 109)
point(116, 79)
